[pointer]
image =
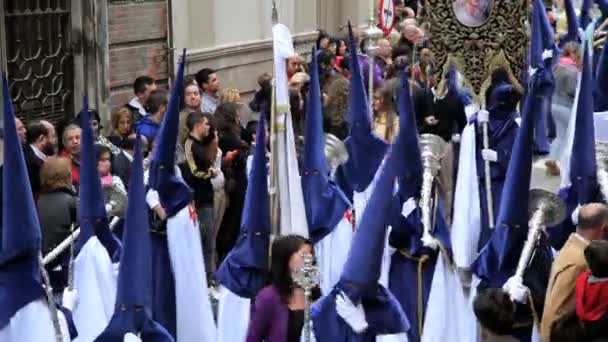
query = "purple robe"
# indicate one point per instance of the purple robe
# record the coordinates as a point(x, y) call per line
point(269, 317)
point(502, 130)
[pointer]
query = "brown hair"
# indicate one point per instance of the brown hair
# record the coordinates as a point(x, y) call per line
point(56, 173)
point(119, 114)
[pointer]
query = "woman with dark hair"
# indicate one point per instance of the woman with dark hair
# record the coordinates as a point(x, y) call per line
point(278, 313)
point(234, 163)
point(322, 40)
point(112, 185)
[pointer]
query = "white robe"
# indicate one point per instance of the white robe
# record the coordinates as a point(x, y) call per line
point(95, 279)
point(33, 323)
point(466, 225)
point(331, 253)
point(291, 200)
point(194, 317)
point(232, 316)
point(449, 317)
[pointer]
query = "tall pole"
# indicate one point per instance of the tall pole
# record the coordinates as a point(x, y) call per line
point(274, 199)
point(371, 34)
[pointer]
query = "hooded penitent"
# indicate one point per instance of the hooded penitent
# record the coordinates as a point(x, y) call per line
point(22, 298)
point(365, 150)
point(133, 299)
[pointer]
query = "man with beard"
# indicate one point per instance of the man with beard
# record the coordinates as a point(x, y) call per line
point(41, 142)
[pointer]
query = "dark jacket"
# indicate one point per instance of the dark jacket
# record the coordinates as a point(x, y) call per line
point(197, 171)
point(121, 167)
point(235, 170)
point(449, 112)
point(33, 164)
point(57, 210)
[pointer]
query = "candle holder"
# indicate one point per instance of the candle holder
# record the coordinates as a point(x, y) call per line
point(307, 278)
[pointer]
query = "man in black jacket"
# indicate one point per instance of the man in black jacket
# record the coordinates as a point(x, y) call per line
point(41, 142)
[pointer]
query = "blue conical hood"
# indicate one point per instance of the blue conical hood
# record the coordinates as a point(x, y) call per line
point(585, 17)
point(601, 81)
point(582, 161)
point(324, 202)
point(452, 77)
point(244, 270)
point(536, 39)
point(173, 192)
point(19, 266)
point(572, 22)
point(363, 264)
point(513, 210)
point(21, 228)
point(408, 162)
point(93, 217)
point(166, 139)
point(134, 277)
point(365, 149)
point(548, 36)
point(133, 296)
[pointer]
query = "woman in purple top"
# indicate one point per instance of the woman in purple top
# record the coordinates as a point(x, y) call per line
point(278, 312)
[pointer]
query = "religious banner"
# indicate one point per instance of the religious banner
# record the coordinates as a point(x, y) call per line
point(479, 36)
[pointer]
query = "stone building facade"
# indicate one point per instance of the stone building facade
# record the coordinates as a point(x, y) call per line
point(57, 51)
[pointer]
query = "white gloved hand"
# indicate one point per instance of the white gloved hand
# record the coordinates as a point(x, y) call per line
point(547, 54)
point(471, 109)
point(70, 299)
point(131, 337)
point(532, 71)
point(109, 208)
point(483, 116)
point(489, 155)
point(217, 182)
point(429, 241)
point(574, 215)
point(456, 138)
point(353, 315)
point(408, 207)
point(516, 289)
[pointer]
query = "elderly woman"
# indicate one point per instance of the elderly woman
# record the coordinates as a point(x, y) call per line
point(57, 211)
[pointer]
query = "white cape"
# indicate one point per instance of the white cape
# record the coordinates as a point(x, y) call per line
point(95, 280)
point(33, 323)
point(291, 200)
point(449, 317)
point(232, 316)
point(466, 225)
point(331, 253)
point(194, 319)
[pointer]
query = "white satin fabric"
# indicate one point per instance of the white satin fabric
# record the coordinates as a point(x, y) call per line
point(33, 323)
point(232, 316)
point(466, 225)
point(291, 200)
point(331, 253)
point(95, 280)
point(193, 307)
point(449, 317)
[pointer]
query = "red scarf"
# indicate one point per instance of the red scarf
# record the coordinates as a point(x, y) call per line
point(591, 298)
